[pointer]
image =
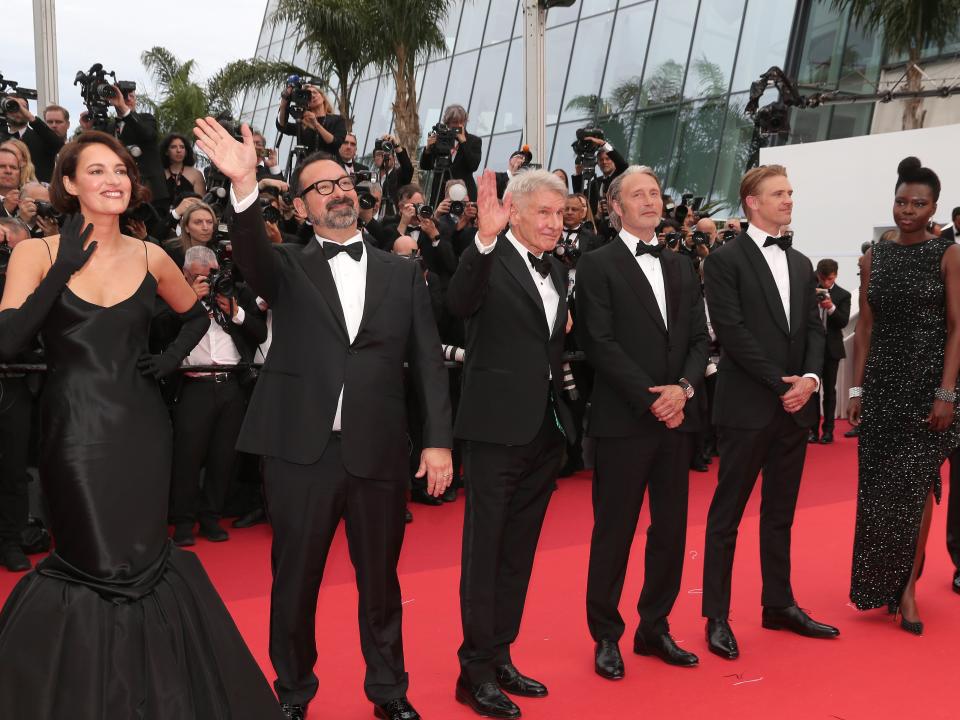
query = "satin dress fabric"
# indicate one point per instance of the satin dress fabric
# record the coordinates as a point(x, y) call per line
point(116, 622)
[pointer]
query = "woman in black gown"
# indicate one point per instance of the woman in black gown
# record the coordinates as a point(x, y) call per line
point(907, 358)
point(116, 622)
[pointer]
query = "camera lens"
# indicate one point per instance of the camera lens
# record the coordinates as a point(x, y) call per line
point(10, 105)
point(457, 207)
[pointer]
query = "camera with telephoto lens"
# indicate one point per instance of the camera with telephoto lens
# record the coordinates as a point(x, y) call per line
point(458, 207)
point(365, 198)
point(701, 238)
point(727, 235)
point(423, 211)
point(96, 91)
point(383, 146)
point(568, 251)
point(300, 96)
point(586, 151)
point(444, 145)
point(11, 89)
point(46, 211)
point(674, 239)
point(270, 212)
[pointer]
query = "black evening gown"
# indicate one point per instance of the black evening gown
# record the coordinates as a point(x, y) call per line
point(116, 623)
point(899, 457)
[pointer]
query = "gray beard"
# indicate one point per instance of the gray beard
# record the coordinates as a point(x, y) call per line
point(337, 220)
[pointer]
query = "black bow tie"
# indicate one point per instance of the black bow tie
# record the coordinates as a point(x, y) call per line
point(354, 250)
point(540, 264)
point(645, 249)
point(782, 242)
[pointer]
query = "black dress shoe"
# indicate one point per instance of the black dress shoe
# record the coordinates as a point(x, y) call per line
point(487, 700)
point(720, 639)
point(398, 709)
point(607, 660)
point(449, 495)
point(292, 711)
point(421, 496)
point(812, 438)
point(14, 559)
point(827, 437)
point(254, 517)
point(212, 531)
point(663, 646)
point(183, 535)
point(956, 582)
point(852, 432)
point(796, 620)
point(512, 681)
point(407, 516)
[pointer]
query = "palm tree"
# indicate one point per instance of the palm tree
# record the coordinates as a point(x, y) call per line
point(908, 27)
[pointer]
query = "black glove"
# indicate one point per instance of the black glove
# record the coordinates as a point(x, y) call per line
point(19, 326)
point(195, 326)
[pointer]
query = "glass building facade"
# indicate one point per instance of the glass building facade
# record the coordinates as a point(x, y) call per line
point(667, 80)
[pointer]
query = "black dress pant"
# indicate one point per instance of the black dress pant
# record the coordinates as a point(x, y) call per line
point(658, 461)
point(953, 510)
point(206, 423)
point(508, 488)
point(778, 451)
point(828, 386)
point(305, 504)
point(16, 410)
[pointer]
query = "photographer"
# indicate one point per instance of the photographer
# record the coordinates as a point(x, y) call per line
point(456, 216)
point(317, 127)
point(834, 310)
point(268, 166)
point(392, 170)
point(57, 119)
point(452, 152)
point(519, 160)
point(211, 405)
point(9, 182)
point(36, 212)
point(348, 155)
point(611, 163)
point(197, 225)
point(44, 143)
point(418, 221)
point(139, 129)
point(176, 155)
point(370, 199)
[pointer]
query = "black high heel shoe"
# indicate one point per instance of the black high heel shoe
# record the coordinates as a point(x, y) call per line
point(912, 627)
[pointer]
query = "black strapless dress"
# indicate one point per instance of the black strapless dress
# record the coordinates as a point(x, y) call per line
point(116, 623)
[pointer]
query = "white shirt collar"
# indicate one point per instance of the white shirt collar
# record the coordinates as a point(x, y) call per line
point(355, 239)
point(759, 236)
point(519, 246)
point(631, 240)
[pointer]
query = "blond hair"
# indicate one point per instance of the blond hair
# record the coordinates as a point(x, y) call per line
point(750, 184)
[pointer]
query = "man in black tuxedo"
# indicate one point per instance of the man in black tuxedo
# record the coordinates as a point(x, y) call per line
point(347, 155)
point(140, 129)
point(762, 303)
point(328, 413)
point(834, 311)
point(512, 293)
point(517, 162)
point(465, 159)
point(610, 163)
point(952, 231)
point(643, 327)
point(44, 143)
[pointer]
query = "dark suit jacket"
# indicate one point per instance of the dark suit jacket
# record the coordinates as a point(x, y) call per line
point(334, 124)
point(140, 129)
point(510, 355)
point(44, 144)
point(465, 163)
point(949, 232)
point(622, 332)
point(837, 322)
point(311, 357)
point(357, 166)
point(757, 346)
point(598, 189)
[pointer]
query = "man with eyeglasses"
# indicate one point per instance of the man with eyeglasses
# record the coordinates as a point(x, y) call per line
point(328, 413)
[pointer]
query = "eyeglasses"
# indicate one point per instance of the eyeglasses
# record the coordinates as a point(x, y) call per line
point(325, 187)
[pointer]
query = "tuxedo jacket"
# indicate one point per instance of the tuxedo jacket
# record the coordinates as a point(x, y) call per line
point(758, 348)
point(332, 123)
point(949, 232)
point(140, 129)
point(837, 322)
point(513, 363)
point(311, 357)
point(622, 332)
point(465, 163)
point(44, 144)
point(599, 187)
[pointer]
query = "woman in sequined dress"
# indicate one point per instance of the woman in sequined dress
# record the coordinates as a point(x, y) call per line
point(907, 357)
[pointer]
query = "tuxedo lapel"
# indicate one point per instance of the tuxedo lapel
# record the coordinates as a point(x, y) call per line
point(672, 281)
point(556, 275)
point(626, 263)
point(315, 264)
point(378, 277)
point(799, 281)
point(517, 266)
point(762, 272)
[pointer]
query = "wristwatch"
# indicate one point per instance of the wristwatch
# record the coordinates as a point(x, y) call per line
point(686, 387)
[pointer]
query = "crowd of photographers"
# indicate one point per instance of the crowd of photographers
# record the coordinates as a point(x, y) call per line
point(430, 222)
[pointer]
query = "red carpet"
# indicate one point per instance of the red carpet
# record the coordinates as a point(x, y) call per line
point(873, 671)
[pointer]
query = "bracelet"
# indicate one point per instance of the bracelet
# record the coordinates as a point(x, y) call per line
point(856, 392)
point(948, 396)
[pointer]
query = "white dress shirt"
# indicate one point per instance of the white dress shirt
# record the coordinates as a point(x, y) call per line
point(548, 293)
point(216, 347)
point(651, 267)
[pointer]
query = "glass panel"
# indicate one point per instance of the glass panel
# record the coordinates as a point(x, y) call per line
point(273, 52)
point(450, 27)
point(362, 109)
point(595, 7)
point(510, 114)
point(621, 83)
point(822, 47)
point(557, 56)
point(500, 20)
point(653, 139)
point(860, 68)
point(431, 100)
point(563, 155)
point(586, 67)
point(289, 42)
point(617, 129)
point(663, 75)
point(483, 105)
point(559, 15)
point(850, 121)
point(501, 147)
point(735, 150)
point(259, 121)
point(471, 25)
point(462, 71)
point(772, 22)
point(809, 125)
point(714, 47)
point(548, 151)
point(383, 112)
point(265, 31)
point(697, 145)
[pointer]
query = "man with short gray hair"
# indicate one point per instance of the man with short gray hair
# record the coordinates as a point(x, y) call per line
point(512, 293)
point(464, 159)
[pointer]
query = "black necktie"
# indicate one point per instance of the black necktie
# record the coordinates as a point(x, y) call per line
point(645, 249)
point(782, 242)
point(540, 264)
point(354, 250)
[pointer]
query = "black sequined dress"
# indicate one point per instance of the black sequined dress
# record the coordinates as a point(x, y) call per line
point(116, 623)
point(899, 457)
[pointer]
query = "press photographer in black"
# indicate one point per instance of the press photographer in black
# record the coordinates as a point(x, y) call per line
point(306, 113)
point(518, 161)
point(36, 212)
point(417, 220)
point(834, 308)
point(43, 142)
point(392, 169)
point(268, 166)
point(452, 152)
point(602, 155)
point(456, 216)
point(139, 130)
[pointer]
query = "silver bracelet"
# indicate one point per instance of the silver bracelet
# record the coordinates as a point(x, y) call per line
point(856, 392)
point(949, 396)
